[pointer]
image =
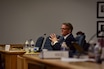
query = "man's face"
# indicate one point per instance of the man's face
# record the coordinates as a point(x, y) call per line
point(65, 30)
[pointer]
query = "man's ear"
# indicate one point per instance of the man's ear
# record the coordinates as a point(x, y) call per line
point(70, 31)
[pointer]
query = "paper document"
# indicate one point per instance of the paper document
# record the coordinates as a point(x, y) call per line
point(77, 59)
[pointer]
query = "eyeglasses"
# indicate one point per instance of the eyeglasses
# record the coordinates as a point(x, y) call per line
point(64, 28)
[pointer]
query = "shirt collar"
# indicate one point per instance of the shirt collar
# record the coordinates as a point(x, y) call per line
point(66, 36)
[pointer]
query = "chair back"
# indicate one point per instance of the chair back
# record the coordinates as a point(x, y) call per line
point(39, 42)
point(80, 39)
point(47, 44)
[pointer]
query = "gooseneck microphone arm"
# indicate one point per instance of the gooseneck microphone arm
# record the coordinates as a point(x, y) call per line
point(43, 42)
point(93, 36)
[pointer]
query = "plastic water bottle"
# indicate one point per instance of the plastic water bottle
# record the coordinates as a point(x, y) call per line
point(32, 45)
point(26, 46)
point(91, 53)
point(97, 51)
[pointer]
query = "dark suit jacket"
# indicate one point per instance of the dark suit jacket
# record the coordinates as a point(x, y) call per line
point(68, 41)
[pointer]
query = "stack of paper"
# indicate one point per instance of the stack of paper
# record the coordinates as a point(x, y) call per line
point(77, 59)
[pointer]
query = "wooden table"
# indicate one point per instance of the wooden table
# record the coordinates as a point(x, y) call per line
point(34, 62)
point(10, 58)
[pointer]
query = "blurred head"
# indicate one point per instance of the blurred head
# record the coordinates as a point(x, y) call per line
point(79, 33)
point(66, 28)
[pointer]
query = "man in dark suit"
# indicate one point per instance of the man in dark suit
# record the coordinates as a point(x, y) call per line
point(66, 31)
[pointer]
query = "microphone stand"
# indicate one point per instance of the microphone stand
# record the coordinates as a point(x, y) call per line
point(43, 42)
point(43, 46)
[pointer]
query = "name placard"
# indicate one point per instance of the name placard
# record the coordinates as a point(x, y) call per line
point(54, 54)
point(7, 47)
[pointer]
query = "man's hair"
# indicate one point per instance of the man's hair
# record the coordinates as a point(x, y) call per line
point(69, 25)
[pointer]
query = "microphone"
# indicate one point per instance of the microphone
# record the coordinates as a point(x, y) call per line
point(43, 42)
point(94, 36)
point(41, 50)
